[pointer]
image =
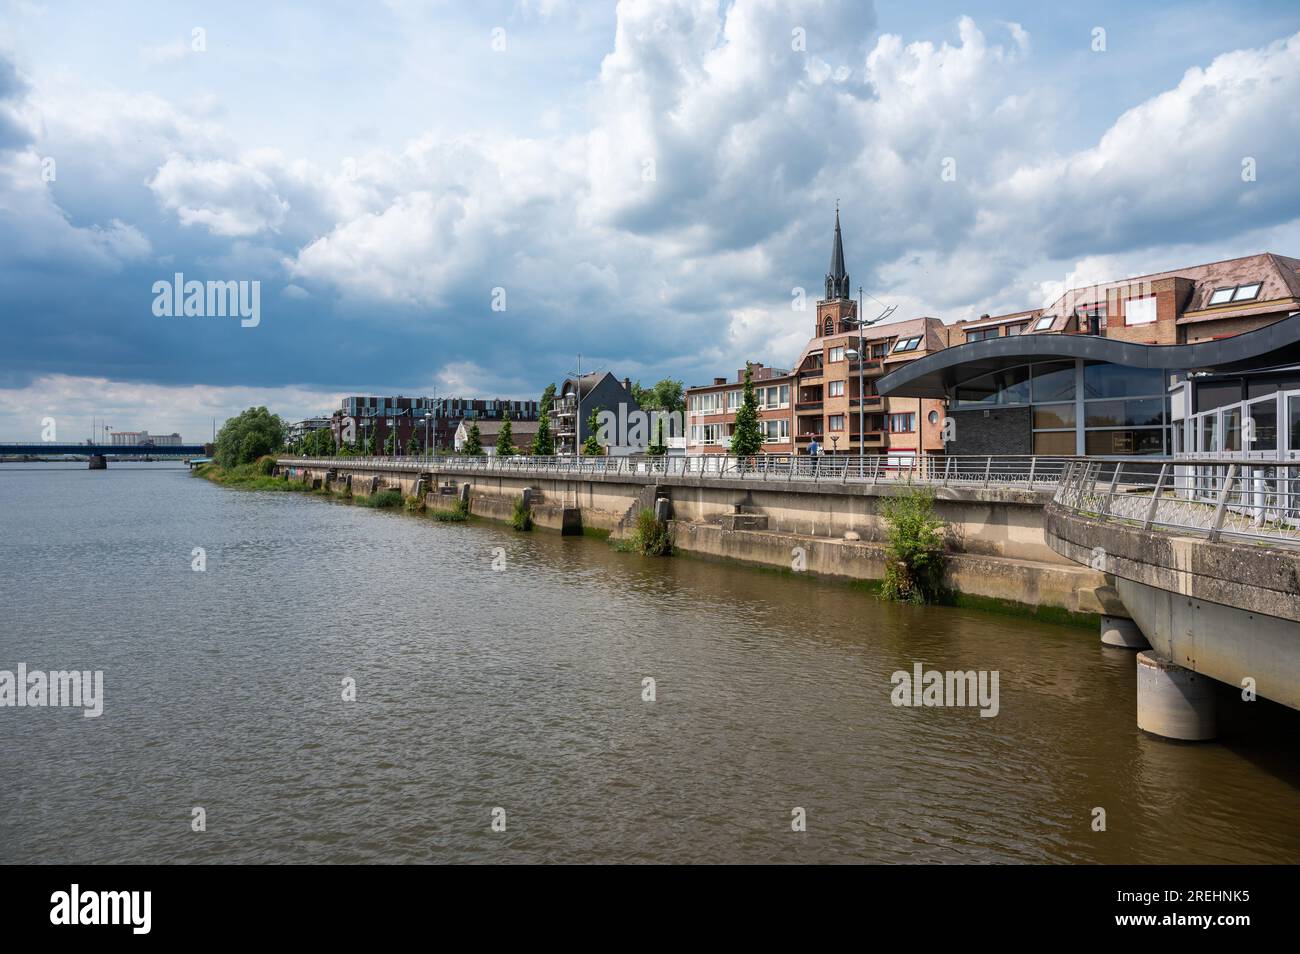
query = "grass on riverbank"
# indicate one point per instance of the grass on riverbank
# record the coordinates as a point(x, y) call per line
point(254, 476)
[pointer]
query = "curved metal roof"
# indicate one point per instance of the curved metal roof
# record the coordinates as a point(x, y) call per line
point(932, 376)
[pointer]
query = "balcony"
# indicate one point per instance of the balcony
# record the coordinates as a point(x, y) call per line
point(870, 401)
point(805, 438)
point(811, 373)
point(803, 406)
point(870, 366)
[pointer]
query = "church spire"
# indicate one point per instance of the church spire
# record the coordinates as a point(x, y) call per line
point(837, 279)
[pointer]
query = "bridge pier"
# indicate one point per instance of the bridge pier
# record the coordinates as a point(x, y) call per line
point(98, 462)
point(1122, 632)
point(1174, 702)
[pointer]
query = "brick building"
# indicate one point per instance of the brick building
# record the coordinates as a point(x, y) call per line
point(823, 388)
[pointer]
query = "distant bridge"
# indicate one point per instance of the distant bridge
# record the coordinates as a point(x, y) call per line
point(51, 449)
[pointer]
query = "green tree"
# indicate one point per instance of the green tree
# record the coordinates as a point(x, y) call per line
point(746, 435)
point(474, 443)
point(247, 437)
point(505, 438)
point(390, 442)
point(657, 446)
point(591, 446)
point(413, 445)
point(543, 441)
point(666, 395)
point(548, 398)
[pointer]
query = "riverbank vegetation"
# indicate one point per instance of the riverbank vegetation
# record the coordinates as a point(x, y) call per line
point(254, 475)
point(650, 537)
point(914, 565)
point(521, 518)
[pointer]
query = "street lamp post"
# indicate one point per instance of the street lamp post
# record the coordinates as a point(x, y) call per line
point(860, 323)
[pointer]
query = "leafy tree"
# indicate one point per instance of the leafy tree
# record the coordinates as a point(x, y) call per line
point(247, 437)
point(474, 443)
point(413, 445)
point(591, 446)
point(390, 442)
point(548, 398)
point(505, 438)
point(657, 446)
point(543, 441)
point(746, 435)
point(368, 446)
point(666, 395)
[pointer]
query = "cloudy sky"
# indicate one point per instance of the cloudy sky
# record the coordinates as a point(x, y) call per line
point(645, 183)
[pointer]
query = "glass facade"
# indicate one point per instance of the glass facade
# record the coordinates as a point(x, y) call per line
point(1094, 407)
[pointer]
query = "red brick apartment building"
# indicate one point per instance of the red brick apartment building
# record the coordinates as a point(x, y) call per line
point(1180, 306)
point(1188, 305)
point(820, 398)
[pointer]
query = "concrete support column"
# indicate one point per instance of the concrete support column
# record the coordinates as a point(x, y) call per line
point(98, 462)
point(1122, 632)
point(1174, 702)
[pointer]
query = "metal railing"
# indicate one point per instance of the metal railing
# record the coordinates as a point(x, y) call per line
point(1019, 472)
point(1248, 499)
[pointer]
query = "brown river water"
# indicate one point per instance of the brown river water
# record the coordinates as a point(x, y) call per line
point(521, 689)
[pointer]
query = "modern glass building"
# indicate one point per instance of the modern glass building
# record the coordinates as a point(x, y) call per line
point(1081, 394)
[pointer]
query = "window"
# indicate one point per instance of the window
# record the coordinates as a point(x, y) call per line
point(879, 350)
point(901, 423)
point(775, 431)
point(734, 400)
point(1116, 380)
point(1009, 386)
point(835, 422)
point(1261, 434)
point(1249, 292)
point(907, 344)
point(933, 417)
point(837, 354)
point(979, 334)
point(1053, 381)
point(1054, 416)
point(1140, 311)
point(836, 389)
point(1016, 329)
point(1044, 323)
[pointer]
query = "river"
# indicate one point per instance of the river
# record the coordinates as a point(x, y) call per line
point(521, 688)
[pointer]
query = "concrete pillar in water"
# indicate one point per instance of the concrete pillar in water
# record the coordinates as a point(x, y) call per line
point(1174, 702)
point(528, 496)
point(1122, 632)
point(663, 509)
point(464, 494)
point(98, 462)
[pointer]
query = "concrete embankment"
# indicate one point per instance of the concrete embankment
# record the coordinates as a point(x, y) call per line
point(994, 536)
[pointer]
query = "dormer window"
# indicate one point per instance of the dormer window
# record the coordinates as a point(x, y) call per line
point(1222, 296)
point(907, 344)
point(1044, 323)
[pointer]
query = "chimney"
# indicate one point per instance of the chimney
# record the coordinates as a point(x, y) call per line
point(627, 385)
point(984, 316)
point(723, 380)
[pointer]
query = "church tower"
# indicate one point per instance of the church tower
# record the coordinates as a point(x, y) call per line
point(838, 303)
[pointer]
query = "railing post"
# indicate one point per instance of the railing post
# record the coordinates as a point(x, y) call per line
point(1033, 465)
point(947, 469)
point(988, 469)
point(1221, 508)
point(1155, 497)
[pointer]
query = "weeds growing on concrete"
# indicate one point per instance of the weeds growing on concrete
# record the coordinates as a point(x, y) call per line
point(521, 518)
point(914, 565)
point(650, 538)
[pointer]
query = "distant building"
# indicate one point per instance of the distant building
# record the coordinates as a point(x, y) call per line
point(521, 433)
point(711, 411)
point(433, 421)
point(143, 439)
point(599, 391)
point(300, 429)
